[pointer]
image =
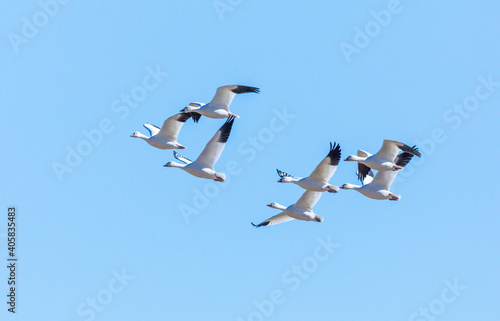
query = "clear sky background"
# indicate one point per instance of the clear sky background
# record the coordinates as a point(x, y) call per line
point(118, 210)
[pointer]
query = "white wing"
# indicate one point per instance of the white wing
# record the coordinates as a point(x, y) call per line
point(172, 126)
point(308, 200)
point(215, 146)
point(280, 218)
point(383, 179)
point(391, 148)
point(153, 130)
point(325, 170)
point(362, 153)
point(225, 94)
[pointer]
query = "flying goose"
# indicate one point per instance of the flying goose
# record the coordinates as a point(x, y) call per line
point(383, 160)
point(219, 106)
point(166, 136)
point(302, 210)
point(203, 166)
point(379, 187)
point(318, 180)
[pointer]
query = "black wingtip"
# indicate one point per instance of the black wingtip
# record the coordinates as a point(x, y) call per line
point(196, 116)
point(334, 154)
point(417, 152)
point(226, 130)
point(254, 224)
point(245, 89)
point(184, 116)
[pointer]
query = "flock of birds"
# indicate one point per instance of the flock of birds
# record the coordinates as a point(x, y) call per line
point(388, 161)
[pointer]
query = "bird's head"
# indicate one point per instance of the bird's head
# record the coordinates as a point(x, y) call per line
point(349, 158)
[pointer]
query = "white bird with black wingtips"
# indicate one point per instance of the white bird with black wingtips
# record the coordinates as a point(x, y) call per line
point(383, 160)
point(378, 187)
point(166, 136)
point(219, 106)
point(302, 210)
point(203, 166)
point(318, 180)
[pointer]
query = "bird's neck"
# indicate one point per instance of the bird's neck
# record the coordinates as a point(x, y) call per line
point(357, 158)
point(351, 186)
point(279, 207)
point(141, 136)
point(177, 165)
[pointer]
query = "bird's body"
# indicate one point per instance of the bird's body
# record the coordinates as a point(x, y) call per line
point(318, 180)
point(301, 210)
point(197, 170)
point(314, 186)
point(219, 106)
point(383, 160)
point(166, 136)
point(203, 166)
point(378, 187)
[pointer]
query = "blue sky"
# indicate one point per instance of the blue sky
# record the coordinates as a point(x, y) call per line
point(110, 228)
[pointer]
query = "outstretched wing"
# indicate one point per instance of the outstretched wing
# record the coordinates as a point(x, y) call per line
point(308, 200)
point(153, 130)
point(280, 218)
point(391, 148)
point(182, 158)
point(325, 170)
point(384, 179)
point(225, 94)
point(282, 174)
point(363, 170)
point(172, 126)
point(215, 146)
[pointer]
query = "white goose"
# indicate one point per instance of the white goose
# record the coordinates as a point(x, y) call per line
point(383, 160)
point(302, 210)
point(219, 106)
point(166, 136)
point(203, 166)
point(379, 187)
point(318, 180)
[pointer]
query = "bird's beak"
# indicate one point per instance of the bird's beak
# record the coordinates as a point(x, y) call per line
point(270, 205)
point(347, 159)
point(280, 181)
